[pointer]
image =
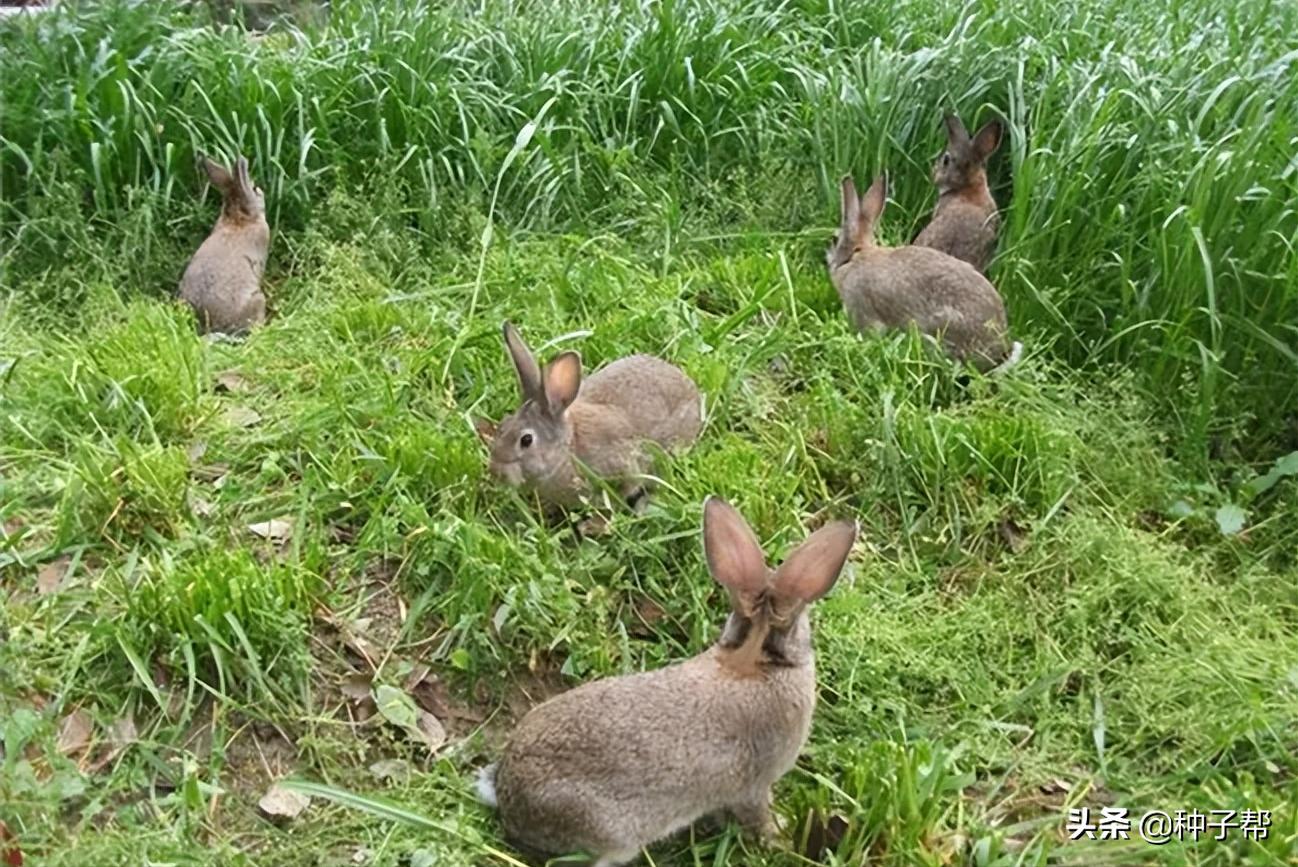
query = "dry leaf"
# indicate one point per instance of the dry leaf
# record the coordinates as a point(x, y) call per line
point(195, 451)
point(357, 642)
point(212, 473)
point(391, 769)
point(38, 702)
point(343, 535)
point(650, 611)
point(1012, 534)
point(954, 848)
point(431, 731)
point(74, 733)
point(356, 686)
point(431, 695)
point(200, 507)
point(231, 380)
point(486, 430)
point(241, 416)
point(824, 835)
point(281, 804)
point(10, 854)
point(365, 712)
point(595, 525)
point(648, 614)
point(276, 529)
point(51, 575)
point(418, 672)
point(121, 734)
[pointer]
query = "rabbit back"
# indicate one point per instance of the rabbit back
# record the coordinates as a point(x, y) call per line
point(886, 289)
point(611, 766)
point(222, 282)
point(963, 229)
point(657, 400)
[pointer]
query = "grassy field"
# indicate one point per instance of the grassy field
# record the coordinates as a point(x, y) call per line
point(226, 563)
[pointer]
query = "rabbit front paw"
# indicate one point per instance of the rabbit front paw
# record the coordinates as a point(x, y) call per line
point(758, 820)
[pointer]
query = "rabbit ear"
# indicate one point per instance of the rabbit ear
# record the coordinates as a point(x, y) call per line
point(956, 133)
point(486, 430)
point(873, 201)
point(734, 557)
point(815, 565)
point(242, 176)
point(850, 208)
point(218, 174)
point(562, 381)
point(857, 225)
point(988, 139)
point(529, 374)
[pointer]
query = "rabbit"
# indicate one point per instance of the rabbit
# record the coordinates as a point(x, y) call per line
point(601, 424)
point(222, 282)
point(616, 764)
point(965, 220)
point(892, 287)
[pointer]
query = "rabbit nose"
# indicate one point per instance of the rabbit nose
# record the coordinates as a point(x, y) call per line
point(510, 474)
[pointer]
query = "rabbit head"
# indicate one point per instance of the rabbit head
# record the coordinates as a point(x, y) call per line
point(535, 443)
point(242, 200)
point(964, 162)
point(859, 217)
point(768, 623)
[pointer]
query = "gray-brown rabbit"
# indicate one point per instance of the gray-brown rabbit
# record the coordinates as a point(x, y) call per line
point(613, 765)
point(567, 426)
point(223, 280)
point(965, 220)
point(892, 287)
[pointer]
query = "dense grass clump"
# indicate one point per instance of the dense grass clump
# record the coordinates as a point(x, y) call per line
point(226, 562)
point(1149, 184)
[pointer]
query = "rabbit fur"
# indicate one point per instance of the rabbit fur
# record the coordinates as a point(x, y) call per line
point(965, 220)
point(611, 766)
point(886, 288)
point(568, 426)
point(222, 282)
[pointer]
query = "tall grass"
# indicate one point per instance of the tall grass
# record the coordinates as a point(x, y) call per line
point(1149, 179)
point(1043, 610)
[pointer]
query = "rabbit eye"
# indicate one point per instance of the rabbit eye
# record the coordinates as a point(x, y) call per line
point(946, 159)
point(525, 441)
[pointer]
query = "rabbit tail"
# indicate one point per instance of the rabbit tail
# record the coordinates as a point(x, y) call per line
point(486, 785)
point(1015, 356)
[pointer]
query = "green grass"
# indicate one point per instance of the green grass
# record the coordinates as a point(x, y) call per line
point(1043, 612)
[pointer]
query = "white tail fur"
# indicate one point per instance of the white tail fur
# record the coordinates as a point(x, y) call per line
point(1016, 355)
point(486, 785)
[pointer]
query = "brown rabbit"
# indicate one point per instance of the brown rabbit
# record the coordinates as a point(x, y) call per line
point(613, 765)
point(223, 280)
point(892, 287)
point(965, 220)
point(600, 425)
